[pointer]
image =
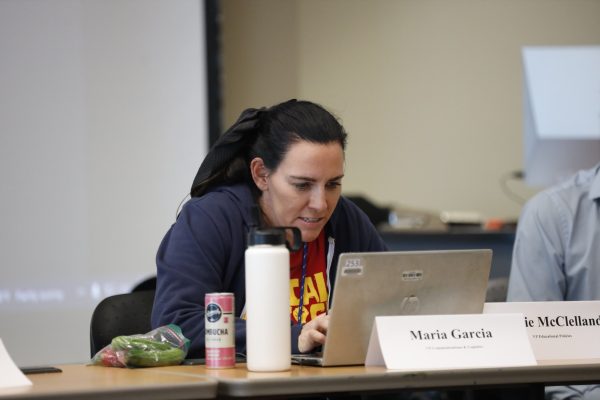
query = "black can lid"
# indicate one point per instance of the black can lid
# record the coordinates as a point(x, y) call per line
point(273, 237)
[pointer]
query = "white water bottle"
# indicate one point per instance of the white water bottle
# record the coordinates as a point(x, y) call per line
point(268, 329)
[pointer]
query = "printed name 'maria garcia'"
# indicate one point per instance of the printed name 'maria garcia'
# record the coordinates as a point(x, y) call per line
point(454, 334)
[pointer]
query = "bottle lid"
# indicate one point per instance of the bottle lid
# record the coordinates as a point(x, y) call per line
point(274, 237)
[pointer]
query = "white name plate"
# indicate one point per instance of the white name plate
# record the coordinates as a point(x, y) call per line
point(432, 342)
point(558, 329)
point(10, 375)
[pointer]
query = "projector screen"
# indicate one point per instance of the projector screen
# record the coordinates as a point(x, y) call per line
point(103, 123)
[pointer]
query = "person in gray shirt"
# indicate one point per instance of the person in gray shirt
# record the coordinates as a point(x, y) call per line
point(556, 255)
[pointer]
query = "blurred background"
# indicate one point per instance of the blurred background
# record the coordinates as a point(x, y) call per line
point(108, 107)
point(430, 91)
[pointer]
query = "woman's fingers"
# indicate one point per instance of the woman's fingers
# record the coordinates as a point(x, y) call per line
point(314, 333)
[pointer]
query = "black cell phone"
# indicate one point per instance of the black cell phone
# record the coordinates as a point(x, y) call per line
point(240, 358)
point(39, 370)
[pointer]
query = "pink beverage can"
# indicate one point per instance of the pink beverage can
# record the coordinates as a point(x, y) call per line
point(219, 327)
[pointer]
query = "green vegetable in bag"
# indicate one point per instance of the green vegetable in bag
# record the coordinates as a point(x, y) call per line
point(154, 358)
point(139, 343)
point(162, 346)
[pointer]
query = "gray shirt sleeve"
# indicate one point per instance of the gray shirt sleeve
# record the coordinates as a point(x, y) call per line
point(537, 272)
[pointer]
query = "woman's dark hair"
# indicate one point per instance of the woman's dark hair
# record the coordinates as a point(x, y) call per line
point(268, 134)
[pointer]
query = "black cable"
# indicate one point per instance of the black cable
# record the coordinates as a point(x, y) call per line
point(513, 175)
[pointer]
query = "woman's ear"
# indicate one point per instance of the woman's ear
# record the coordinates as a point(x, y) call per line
point(259, 173)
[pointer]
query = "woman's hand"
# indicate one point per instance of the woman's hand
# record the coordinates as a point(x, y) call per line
point(313, 333)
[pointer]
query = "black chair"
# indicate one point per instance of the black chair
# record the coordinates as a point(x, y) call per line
point(121, 314)
point(146, 284)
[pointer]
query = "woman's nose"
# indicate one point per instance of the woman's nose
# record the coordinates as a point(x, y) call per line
point(318, 199)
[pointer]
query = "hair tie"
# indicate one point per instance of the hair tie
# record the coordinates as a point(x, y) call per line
point(226, 149)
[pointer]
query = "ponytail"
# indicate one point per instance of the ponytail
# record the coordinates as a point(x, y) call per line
point(224, 158)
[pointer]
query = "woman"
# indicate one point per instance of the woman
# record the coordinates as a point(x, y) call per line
point(289, 161)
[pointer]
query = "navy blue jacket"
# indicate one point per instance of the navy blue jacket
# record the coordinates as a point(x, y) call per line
point(203, 252)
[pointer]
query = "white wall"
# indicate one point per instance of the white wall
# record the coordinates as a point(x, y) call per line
point(103, 123)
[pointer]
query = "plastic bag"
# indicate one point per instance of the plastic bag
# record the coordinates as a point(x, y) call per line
point(162, 346)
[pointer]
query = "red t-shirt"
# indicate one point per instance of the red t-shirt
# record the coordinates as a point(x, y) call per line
point(316, 293)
